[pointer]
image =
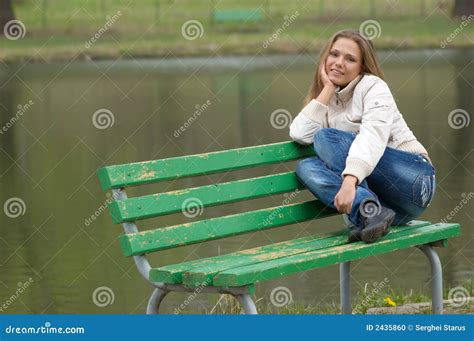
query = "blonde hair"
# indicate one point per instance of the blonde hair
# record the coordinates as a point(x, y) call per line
point(370, 63)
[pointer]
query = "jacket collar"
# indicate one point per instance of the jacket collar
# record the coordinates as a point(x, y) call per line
point(345, 94)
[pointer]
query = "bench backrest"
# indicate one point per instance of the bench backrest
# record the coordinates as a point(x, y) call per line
point(149, 206)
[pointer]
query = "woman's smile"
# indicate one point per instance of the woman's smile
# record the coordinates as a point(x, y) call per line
point(337, 72)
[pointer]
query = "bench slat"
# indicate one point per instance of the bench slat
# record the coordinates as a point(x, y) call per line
point(176, 273)
point(171, 202)
point(343, 253)
point(215, 228)
point(183, 166)
point(203, 270)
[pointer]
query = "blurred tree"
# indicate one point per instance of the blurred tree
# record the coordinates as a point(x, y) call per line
point(463, 7)
point(6, 13)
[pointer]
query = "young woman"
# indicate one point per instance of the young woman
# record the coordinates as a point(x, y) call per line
point(369, 165)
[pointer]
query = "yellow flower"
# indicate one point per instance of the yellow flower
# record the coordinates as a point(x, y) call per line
point(389, 301)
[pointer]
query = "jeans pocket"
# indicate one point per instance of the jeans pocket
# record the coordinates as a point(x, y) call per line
point(423, 190)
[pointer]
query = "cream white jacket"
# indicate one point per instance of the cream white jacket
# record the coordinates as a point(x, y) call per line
point(365, 106)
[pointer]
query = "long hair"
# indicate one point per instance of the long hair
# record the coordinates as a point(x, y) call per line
point(370, 63)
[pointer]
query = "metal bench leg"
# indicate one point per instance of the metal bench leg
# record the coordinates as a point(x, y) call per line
point(247, 304)
point(437, 278)
point(155, 301)
point(345, 287)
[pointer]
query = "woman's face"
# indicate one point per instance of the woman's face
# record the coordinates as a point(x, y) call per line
point(344, 61)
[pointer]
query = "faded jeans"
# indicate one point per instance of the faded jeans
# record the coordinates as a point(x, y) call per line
point(402, 181)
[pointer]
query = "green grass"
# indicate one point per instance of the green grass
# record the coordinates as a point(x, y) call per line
point(58, 30)
point(363, 300)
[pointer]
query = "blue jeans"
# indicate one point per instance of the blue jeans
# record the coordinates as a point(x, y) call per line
point(402, 181)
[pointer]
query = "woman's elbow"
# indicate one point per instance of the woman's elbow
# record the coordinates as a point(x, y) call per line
point(298, 138)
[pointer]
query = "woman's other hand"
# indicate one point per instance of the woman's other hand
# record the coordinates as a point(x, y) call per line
point(346, 194)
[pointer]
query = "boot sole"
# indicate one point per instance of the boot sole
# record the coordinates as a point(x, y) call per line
point(375, 233)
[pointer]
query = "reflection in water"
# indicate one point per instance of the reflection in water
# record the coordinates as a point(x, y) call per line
point(50, 154)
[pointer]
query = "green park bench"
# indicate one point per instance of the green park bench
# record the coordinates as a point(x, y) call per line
point(236, 273)
point(252, 15)
point(243, 16)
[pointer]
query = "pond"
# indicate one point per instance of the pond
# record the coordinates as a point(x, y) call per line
point(51, 147)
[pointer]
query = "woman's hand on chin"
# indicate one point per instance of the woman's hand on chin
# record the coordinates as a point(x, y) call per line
point(325, 79)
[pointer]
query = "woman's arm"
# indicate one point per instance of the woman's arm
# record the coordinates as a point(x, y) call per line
point(369, 145)
point(308, 121)
point(314, 114)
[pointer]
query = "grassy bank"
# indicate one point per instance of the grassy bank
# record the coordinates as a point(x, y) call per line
point(367, 301)
point(73, 30)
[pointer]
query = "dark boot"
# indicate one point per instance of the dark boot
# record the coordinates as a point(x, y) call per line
point(377, 226)
point(355, 234)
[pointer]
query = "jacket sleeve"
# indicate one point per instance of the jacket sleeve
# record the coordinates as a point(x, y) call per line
point(308, 121)
point(369, 145)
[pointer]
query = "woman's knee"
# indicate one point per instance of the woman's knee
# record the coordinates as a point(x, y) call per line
point(323, 137)
point(303, 168)
point(327, 141)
